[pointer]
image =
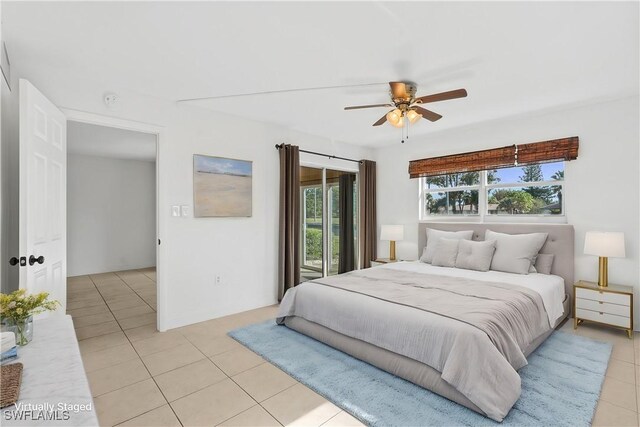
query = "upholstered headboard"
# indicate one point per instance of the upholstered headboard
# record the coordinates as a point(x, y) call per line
point(559, 243)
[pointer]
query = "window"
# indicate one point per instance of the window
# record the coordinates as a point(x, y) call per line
point(531, 190)
point(452, 194)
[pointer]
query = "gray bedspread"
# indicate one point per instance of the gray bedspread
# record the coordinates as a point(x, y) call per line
point(473, 332)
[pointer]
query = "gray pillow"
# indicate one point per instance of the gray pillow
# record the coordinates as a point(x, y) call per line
point(515, 253)
point(475, 255)
point(432, 240)
point(446, 253)
point(544, 262)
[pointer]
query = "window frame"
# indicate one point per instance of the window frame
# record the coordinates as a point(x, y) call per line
point(483, 214)
point(303, 211)
point(424, 190)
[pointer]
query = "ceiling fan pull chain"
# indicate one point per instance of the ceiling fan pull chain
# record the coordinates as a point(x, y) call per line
point(407, 128)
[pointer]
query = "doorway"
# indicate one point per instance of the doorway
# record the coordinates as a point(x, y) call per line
point(42, 143)
point(121, 200)
point(329, 225)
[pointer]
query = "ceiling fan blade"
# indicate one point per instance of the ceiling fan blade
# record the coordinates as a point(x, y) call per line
point(443, 96)
point(357, 107)
point(427, 114)
point(398, 90)
point(381, 120)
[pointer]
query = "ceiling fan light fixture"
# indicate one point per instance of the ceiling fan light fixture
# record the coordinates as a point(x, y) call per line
point(413, 116)
point(395, 118)
point(408, 107)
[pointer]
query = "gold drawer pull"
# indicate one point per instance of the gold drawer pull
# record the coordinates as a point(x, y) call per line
point(601, 313)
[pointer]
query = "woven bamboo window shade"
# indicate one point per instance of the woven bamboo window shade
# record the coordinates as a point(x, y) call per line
point(497, 158)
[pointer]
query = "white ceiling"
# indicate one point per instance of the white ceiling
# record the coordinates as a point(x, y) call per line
point(512, 57)
point(101, 141)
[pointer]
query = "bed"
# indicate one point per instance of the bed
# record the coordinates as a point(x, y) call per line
point(462, 334)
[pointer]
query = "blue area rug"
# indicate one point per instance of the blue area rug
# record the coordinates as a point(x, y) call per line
point(560, 386)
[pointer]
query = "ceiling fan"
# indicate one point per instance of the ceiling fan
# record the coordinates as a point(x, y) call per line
point(407, 106)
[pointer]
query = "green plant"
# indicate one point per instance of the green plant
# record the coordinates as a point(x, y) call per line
point(17, 307)
point(314, 243)
point(516, 202)
point(533, 173)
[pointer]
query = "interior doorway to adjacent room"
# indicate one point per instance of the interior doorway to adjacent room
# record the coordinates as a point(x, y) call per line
point(112, 233)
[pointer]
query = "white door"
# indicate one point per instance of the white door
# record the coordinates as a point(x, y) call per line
point(43, 202)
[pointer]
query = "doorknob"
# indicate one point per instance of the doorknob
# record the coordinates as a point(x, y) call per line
point(15, 261)
point(33, 260)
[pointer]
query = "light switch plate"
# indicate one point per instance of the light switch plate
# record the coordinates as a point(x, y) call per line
point(185, 210)
point(175, 210)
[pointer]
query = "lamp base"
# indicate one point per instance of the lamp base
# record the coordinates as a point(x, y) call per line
point(392, 250)
point(603, 272)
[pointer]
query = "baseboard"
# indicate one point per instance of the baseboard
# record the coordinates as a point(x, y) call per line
point(109, 270)
point(202, 316)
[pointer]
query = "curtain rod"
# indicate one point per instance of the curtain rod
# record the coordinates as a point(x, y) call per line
point(279, 146)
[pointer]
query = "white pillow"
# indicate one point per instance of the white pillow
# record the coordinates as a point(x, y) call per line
point(446, 252)
point(544, 262)
point(475, 255)
point(432, 240)
point(515, 253)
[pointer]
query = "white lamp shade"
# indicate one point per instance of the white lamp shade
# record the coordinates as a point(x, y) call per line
point(392, 232)
point(604, 244)
point(395, 118)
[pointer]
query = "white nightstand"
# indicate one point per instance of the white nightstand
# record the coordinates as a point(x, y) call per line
point(611, 305)
point(380, 261)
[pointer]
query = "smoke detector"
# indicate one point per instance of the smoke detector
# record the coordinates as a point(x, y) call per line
point(111, 100)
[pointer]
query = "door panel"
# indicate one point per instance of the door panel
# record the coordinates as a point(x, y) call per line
point(43, 162)
point(341, 217)
point(312, 235)
point(328, 223)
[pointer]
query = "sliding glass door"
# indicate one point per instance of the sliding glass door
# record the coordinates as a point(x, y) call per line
point(312, 223)
point(329, 222)
point(342, 231)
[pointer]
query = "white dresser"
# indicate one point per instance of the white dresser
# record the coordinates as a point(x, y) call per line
point(54, 390)
point(611, 305)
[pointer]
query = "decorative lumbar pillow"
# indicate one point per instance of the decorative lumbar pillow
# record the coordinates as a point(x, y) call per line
point(544, 262)
point(475, 255)
point(446, 252)
point(515, 253)
point(433, 236)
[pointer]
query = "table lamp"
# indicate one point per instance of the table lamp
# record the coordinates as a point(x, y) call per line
point(392, 233)
point(604, 245)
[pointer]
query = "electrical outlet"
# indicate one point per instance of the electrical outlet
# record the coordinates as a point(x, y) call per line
point(218, 280)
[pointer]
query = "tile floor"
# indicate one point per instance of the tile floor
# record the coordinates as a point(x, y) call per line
point(197, 375)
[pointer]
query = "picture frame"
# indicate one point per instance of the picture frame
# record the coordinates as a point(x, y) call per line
point(222, 187)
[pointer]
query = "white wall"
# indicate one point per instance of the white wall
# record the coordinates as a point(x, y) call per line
point(9, 177)
point(111, 214)
point(3, 249)
point(601, 186)
point(241, 250)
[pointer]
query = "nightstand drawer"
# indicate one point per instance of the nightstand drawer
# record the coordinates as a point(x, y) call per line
point(602, 317)
point(603, 296)
point(605, 307)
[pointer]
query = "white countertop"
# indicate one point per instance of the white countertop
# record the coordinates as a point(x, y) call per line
point(54, 376)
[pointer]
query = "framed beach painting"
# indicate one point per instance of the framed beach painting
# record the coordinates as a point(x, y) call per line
point(221, 187)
